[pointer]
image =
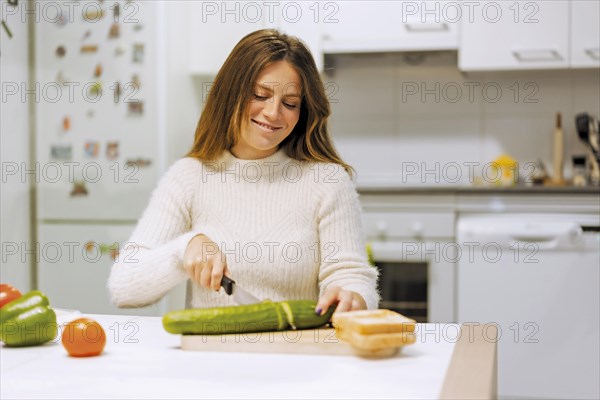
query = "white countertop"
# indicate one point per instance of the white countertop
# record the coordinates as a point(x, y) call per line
point(142, 360)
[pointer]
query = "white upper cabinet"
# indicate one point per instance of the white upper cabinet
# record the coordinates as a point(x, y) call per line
point(381, 26)
point(216, 27)
point(505, 35)
point(304, 20)
point(585, 34)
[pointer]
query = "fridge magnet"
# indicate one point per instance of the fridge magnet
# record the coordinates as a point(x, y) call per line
point(119, 50)
point(117, 87)
point(113, 33)
point(91, 149)
point(95, 90)
point(98, 71)
point(138, 53)
point(136, 108)
point(66, 124)
point(112, 150)
point(92, 14)
point(79, 189)
point(61, 51)
point(89, 48)
point(114, 252)
point(89, 247)
point(140, 162)
point(63, 18)
point(135, 81)
point(60, 78)
point(61, 151)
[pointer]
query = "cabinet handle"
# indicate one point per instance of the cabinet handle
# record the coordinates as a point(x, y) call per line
point(537, 55)
point(416, 27)
point(594, 53)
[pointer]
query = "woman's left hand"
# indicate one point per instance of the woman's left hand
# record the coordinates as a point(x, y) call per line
point(346, 300)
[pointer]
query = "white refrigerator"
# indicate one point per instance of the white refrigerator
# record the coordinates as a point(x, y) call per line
point(99, 142)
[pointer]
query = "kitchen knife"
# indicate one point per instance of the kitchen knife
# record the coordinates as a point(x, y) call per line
point(240, 296)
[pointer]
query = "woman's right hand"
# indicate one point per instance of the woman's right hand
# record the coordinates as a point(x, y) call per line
point(204, 262)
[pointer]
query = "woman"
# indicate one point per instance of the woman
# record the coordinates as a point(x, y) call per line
point(262, 197)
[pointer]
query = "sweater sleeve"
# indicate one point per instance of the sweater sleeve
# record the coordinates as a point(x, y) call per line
point(342, 241)
point(150, 263)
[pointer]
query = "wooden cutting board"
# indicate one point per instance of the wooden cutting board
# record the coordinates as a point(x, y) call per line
point(307, 341)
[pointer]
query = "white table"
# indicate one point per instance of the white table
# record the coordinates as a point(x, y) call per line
point(142, 360)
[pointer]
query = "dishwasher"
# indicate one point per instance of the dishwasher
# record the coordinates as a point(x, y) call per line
point(537, 277)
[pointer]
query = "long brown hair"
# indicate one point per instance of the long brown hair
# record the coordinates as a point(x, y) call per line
point(220, 123)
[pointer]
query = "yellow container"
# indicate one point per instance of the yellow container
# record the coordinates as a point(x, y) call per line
point(504, 171)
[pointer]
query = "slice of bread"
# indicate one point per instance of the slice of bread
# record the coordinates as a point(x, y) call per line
point(367, 322)
point(378, 341)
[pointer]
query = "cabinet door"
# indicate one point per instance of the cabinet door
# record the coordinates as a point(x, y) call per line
point(585, 34)
point(379, 26)
point(514, 35)
point(305, 21)
point(74, 265)
point(517, 289)
point(216, 27)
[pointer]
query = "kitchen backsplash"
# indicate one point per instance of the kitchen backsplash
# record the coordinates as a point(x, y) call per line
point(414, 118)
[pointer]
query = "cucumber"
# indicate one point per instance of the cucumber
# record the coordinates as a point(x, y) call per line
point(260, 317)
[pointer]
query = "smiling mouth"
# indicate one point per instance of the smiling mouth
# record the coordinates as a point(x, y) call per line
point(266, 127)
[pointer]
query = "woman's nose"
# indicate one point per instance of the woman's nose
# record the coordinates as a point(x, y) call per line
point(271, 108)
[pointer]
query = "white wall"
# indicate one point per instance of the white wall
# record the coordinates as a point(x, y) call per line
point(14, 138)
point(183, 102)
point(183, 93)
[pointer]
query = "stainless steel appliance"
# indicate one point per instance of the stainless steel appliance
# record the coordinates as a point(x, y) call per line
point(415, 254)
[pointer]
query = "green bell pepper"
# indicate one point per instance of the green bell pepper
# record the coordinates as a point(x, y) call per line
point(28, 321)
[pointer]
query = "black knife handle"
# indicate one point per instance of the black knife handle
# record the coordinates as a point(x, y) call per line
point(227, 284)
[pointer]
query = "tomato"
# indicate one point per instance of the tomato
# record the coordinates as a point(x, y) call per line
point(83, 337)
point(8, 294)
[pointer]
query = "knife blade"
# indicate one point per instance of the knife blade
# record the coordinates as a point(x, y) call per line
point(240, 296)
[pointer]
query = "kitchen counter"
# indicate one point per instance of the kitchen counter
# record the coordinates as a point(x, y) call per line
point(473, 199)
point(141, 360)
point(507, 190)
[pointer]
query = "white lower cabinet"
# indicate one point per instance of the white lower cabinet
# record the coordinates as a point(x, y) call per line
point(536, 277)
point(74, 266)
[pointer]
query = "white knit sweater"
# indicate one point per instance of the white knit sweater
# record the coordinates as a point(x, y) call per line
point(288, 230)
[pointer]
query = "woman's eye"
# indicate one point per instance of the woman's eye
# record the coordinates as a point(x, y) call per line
point(263, 98)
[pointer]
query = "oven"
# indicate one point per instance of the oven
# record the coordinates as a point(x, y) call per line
point(416, 255)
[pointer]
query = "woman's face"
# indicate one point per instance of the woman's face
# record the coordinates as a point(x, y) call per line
point(272, 112)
